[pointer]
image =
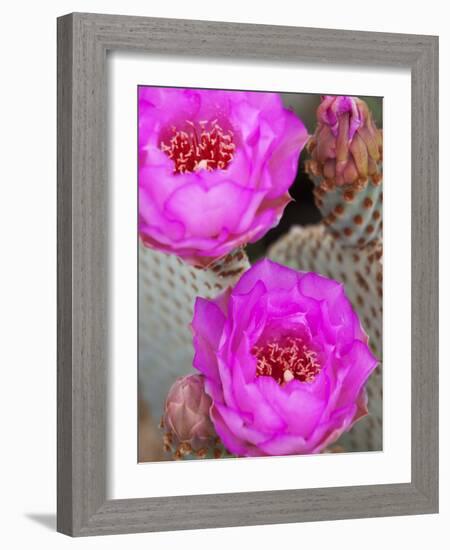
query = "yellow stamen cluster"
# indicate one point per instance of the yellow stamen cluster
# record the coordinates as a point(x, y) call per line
point(286, 359)
point(199, 146)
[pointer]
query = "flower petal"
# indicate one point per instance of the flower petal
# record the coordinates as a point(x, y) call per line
point(275, 276)
point(208, 323)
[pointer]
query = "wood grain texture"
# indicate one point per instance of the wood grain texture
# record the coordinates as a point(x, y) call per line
point(83, 318)
point(64, 300)
point(424, 276)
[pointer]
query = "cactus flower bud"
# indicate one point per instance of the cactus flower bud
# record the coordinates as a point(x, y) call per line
point(186, 418)
point(345, 166)
point(347, 146)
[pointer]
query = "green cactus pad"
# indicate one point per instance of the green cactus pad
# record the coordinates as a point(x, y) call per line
point(352, 215)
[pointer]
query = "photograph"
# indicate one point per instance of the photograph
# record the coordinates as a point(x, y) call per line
point(224, 331)
point(260, 306)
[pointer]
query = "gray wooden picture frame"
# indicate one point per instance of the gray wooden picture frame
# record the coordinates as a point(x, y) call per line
point(83, 42)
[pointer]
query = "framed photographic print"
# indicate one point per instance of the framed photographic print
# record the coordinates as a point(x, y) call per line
point(247, 274)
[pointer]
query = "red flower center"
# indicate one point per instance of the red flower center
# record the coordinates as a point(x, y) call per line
point(203, 145)
point(286, 359)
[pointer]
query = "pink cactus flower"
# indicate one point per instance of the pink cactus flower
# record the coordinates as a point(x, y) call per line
point(346, 146)
point(186, 414)
point(214, 168)
point(285, 360)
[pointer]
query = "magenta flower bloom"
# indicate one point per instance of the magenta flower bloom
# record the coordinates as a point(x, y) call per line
point(285, 360)
point(214, 168)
